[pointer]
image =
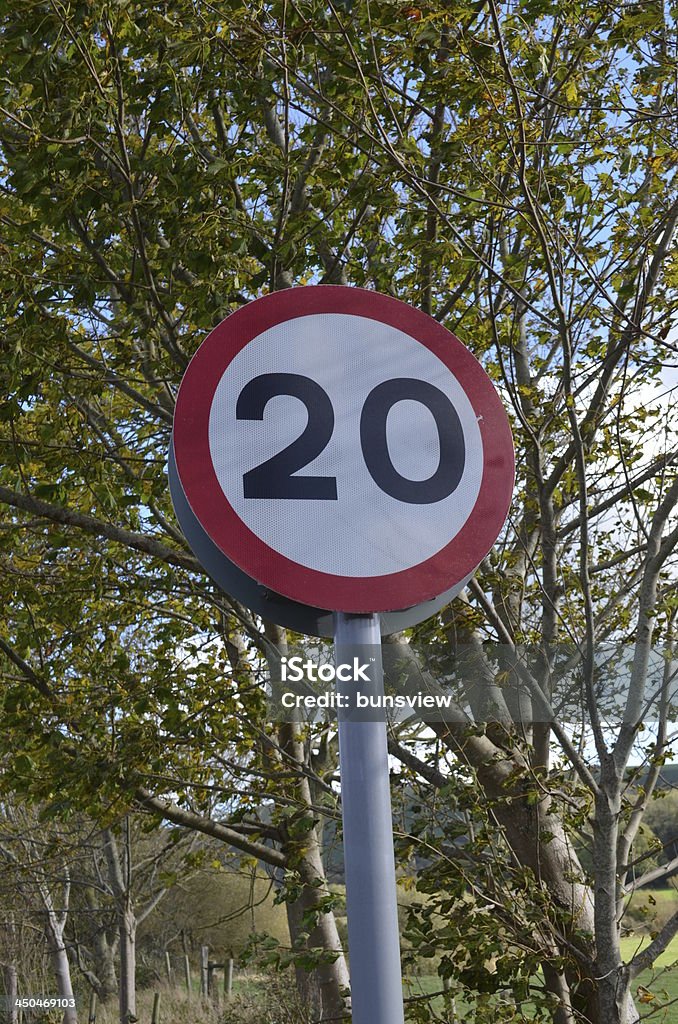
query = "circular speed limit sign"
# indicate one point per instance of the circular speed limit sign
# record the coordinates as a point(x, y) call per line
point(343, 449)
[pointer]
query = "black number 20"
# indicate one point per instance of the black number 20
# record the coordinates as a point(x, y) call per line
point(273, 478)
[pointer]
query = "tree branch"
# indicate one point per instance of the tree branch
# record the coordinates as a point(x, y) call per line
point(190, 819)
point(642, 961)
point(98, 528)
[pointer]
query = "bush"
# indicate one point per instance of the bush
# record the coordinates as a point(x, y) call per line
point(269, 999)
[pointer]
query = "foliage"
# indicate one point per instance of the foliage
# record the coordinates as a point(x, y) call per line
point(510, 170)
point(662, 818)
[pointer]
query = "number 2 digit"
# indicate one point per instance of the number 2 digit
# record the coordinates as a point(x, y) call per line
point(273, 478)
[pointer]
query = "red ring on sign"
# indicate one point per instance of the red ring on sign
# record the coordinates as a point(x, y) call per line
point(358, 594)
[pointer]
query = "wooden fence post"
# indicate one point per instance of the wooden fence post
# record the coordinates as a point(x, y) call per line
point(92, 1015)
point(155, 1016)
point(228, 977)
point(187, 976)
point(204, 971)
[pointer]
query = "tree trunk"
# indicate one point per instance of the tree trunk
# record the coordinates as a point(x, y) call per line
point(120, 878)
point(554, 862)
point(307, 982)
point(62, 968)
point(333, 977)
point(127, 989)
point(104, 957)
point(62, 971)
point(303, 853)
point(11, 993)
point(104, 979)
point(556, 982)
point(614, 999)
point(55, 923)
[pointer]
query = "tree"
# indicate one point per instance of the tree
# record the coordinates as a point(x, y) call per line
point(509, 170)
point(42, 878)
point(135, 884)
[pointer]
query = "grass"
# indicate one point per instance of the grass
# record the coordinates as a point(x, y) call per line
point(257, 998)
point(174, 1008)
point(656, 990)
point(260, 998)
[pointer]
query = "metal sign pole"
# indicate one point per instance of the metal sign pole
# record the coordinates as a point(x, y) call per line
point(373, 933)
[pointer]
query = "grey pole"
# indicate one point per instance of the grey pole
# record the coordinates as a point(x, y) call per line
point(373, 934)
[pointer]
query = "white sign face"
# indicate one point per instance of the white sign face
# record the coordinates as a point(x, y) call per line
point(364, 530)
point(343, 449)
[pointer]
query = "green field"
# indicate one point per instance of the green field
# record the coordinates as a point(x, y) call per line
point(662, 982)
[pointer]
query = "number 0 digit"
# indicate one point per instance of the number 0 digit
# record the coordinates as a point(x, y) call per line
point(374, 441)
